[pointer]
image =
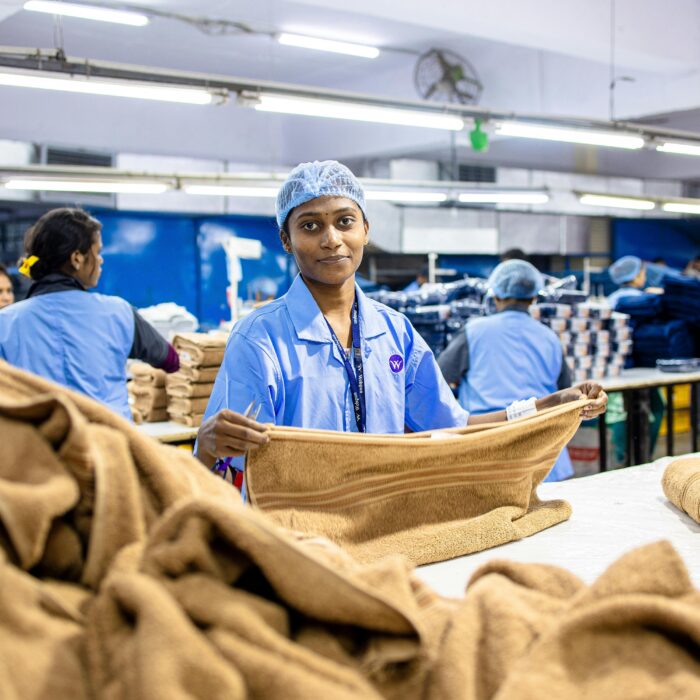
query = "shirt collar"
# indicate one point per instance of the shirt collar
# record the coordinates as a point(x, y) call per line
point(308, 320)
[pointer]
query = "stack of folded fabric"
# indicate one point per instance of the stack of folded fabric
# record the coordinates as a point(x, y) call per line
point(682, 298)
point(662, 341)
point(641, 307)
point(147, 396)
point(189, 389)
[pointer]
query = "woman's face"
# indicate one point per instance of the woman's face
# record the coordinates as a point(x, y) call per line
point(91, 264)
point(327, 236)
point(7, 296)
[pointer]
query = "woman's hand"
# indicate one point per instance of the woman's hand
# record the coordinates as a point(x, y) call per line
point(228, 434)
point(586, 390)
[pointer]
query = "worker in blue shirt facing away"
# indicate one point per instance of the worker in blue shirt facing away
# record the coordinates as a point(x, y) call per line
point(62, 332)
point(325, 356)
point(508, 356)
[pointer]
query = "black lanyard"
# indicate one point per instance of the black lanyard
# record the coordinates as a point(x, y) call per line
point(356, 378)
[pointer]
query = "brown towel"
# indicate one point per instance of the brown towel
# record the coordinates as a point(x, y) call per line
point(187, 406)
point(429, 499)
point(189, 419)
point(199, 375)
point(200, 349)
point(184, 388)
point(147, 398)
point(150, 579)
point(681, 484)
point(154, 415)
point(145, 374)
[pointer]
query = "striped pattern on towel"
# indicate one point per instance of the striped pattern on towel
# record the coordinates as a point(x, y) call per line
point(426, 498)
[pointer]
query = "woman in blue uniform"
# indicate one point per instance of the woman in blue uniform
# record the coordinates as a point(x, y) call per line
point(508, 356)
point(325, 356)
point(63, 333)
point(629, 273)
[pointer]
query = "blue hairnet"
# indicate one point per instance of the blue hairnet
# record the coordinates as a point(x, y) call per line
point(625, 269)
point(326, 178)
point(515, 279)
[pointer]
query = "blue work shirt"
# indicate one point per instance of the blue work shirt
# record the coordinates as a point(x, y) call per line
point(75, 338)
point(282, 358)
point(623, 292)
point(512, 357)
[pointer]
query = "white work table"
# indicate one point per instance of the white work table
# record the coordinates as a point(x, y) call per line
point(613, 513)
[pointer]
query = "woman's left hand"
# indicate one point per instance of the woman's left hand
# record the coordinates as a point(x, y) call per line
point(587, 390)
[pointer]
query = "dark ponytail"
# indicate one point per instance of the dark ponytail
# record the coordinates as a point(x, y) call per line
point(56, 236)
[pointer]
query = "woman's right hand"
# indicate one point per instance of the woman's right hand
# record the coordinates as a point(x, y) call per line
point(228, 434)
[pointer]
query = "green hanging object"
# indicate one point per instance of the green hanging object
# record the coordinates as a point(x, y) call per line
point(479, 139)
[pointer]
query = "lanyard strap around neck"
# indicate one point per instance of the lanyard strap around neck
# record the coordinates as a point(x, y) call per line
point(356, 377)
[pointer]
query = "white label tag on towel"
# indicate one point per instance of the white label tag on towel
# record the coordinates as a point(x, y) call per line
point(439, 435)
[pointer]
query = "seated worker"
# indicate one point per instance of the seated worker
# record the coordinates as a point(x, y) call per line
point(7, 294)
point(324, 356)
point(416, 284)
point(629, 273)
point(62, 332)
point(508, 356)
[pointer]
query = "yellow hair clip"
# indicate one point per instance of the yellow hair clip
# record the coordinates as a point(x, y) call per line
point(27, 264)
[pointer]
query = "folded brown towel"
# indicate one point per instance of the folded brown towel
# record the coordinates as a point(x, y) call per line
point(183, 388)
point(200, 349)
point(200, 375)
point(127, 570)
point(184, 406)
point(145, 374)
point(189, 419)
point(146, 401)
point(429, 499)
point(681, 484)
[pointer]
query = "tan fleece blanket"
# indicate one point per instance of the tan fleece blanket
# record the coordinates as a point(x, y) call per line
point(129, 571)
point(145, 374)
point(427, 496)
point(200, 349)
point(189, 419)
point(180, 387)
point(197, 375)
point(681, 484)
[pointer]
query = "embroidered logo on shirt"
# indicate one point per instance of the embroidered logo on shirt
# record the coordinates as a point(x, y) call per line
point(396, 363)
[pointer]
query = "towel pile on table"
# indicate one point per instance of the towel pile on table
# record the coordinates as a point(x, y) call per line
point(189, 388)
point(147, 396)
point(127, 570)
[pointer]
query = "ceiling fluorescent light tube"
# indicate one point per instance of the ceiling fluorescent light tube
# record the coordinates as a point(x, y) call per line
point(232, 190)
point(310, 42)
point(684, 149)
point(589, 137)
point(681, 208)
point(103, 187)
point(336, 109)
point(406, 197)
point(104, 86)
point(504, 197)
point(101, 14)
point(598, 200)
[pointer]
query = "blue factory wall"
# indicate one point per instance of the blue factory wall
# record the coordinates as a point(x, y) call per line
point(152, 258)
point(674, 240)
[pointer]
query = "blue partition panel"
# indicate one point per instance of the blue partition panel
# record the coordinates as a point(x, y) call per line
point(674, 240)
point(149, 258)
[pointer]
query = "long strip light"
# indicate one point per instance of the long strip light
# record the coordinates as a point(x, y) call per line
point(589, 137)
point(685, 149)
point(337, 109)
point(599, 200)
point(104, 187)
point(101, 14)
point(103, 86)
point(344, 47)
point(407, 196)
point(487, 197)
point(231, 190)
point(681, 207)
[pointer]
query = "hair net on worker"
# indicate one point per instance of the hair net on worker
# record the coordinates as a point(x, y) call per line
point(625, 269)
point(515, 279)
point(326, 178)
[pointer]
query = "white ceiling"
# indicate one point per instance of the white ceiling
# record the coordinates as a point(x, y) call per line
point(535, 56)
